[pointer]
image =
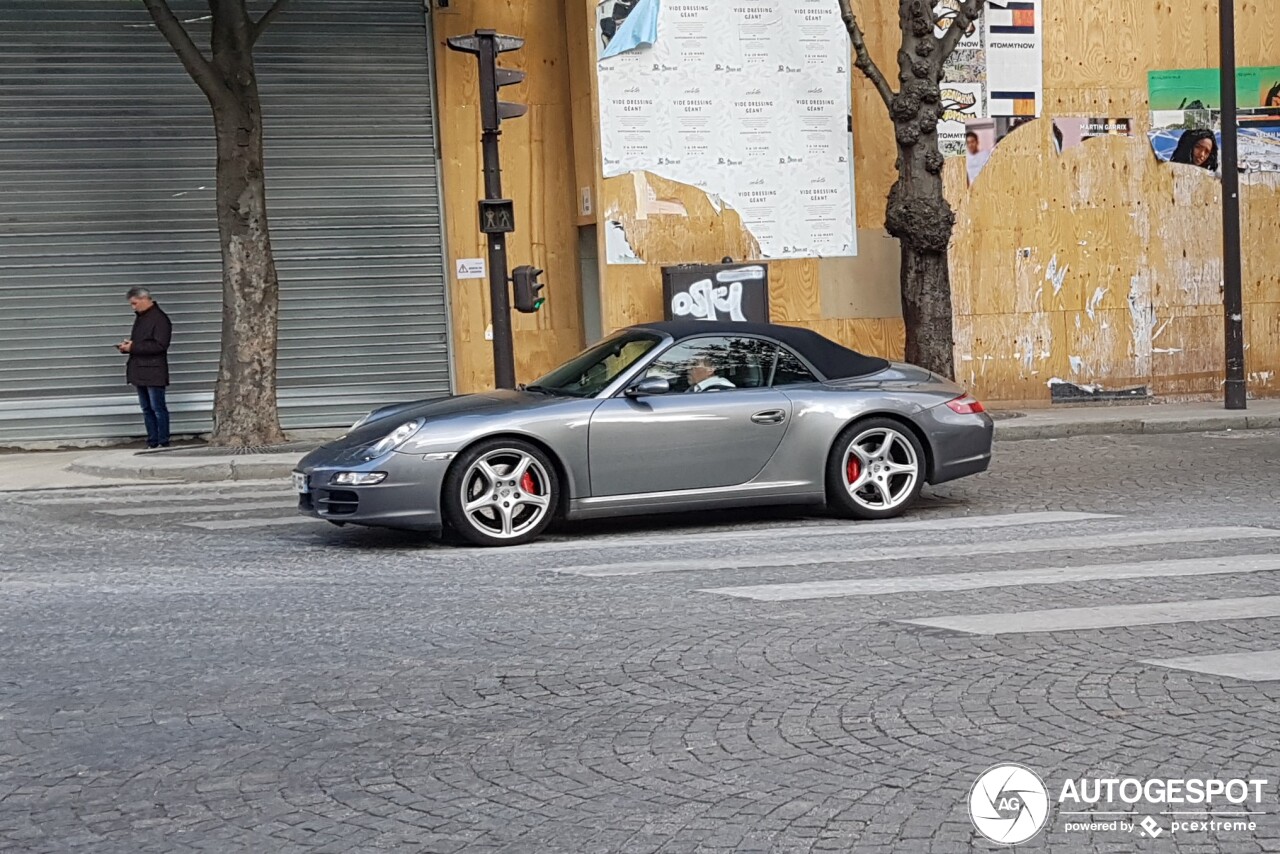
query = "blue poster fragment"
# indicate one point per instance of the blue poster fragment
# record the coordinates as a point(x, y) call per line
point(633, 24)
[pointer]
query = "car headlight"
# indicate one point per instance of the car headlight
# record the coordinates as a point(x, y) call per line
point(357, 478)
point(396, 437)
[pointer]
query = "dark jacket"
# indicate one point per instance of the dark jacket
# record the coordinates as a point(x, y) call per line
point(148, 365)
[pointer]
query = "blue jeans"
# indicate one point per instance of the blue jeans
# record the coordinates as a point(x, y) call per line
point(155, 414)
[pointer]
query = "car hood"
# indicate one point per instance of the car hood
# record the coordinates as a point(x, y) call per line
point(389, 418)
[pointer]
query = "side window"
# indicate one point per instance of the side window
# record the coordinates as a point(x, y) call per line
point(790, 370)
point(715, 364)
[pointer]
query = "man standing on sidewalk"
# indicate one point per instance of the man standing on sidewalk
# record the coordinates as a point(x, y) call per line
point(148, 366)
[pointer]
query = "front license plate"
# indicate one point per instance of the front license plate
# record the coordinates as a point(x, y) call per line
point(300, 482)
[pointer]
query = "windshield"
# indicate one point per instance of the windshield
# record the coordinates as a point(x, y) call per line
point(593, 369)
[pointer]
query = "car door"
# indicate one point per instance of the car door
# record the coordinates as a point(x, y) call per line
point(710, 431)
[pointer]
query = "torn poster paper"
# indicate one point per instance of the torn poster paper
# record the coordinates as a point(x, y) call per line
point(996, 71)
point(747, 101)
point(617, 248)
point(1071, 131)
point(627, 25)
point(983, 135)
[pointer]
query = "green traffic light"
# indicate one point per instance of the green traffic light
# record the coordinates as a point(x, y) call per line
point(537, 304)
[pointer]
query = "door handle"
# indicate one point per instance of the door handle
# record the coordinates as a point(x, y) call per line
point(769, 416)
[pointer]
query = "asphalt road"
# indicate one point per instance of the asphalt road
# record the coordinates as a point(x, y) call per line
point(194, 669)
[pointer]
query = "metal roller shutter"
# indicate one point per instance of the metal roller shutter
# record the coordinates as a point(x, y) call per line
point(107, 181)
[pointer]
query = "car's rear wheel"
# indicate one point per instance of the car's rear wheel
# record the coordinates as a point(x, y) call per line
point(500, 492)
point(875, 470)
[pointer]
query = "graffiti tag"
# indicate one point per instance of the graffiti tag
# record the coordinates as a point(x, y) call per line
point(703, 301)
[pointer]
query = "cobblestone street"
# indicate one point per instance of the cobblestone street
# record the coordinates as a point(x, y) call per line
point(196, 668)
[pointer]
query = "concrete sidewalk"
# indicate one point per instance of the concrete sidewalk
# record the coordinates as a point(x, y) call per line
point(111, 467)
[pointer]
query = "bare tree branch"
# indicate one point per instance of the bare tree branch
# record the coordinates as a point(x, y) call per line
point(968, 12)
point(862, 58)
point(265, 21)
point(179, 39)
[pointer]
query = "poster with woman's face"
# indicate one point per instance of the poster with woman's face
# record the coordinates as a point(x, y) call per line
point(1186, 117)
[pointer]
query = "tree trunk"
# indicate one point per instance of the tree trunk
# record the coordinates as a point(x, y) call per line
point(244, 398)
point(918, 213)
point(244, 408)
point(919, 216)
point(926, 310)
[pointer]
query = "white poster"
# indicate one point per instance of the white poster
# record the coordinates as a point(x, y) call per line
point(748, 101)
point(1015, 61)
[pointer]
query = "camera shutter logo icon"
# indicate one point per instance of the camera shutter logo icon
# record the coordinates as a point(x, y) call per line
point(1009, 804)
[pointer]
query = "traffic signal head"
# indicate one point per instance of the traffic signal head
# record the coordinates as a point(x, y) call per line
point(506, 109)
point(485, 45)
point(527, 287)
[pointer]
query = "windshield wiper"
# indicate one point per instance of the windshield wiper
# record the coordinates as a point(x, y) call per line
point(553, 392)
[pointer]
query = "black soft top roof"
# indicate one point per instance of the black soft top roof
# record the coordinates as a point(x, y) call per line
point(832, 360)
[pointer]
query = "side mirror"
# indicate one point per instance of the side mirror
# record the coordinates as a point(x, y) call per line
point(649, 386)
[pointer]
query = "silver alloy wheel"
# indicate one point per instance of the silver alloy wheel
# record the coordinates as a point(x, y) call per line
point(880, 468)
point(506, 493)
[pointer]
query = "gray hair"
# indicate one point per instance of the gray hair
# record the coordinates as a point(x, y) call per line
point(135, 293)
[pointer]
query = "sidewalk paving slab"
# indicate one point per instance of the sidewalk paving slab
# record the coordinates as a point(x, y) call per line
point(53, 470)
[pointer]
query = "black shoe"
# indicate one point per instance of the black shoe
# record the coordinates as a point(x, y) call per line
point(164, 445)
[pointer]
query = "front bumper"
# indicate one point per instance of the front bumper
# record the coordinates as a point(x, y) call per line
point(409, 498)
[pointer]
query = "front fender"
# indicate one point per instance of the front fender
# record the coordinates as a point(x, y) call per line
point(561, 425)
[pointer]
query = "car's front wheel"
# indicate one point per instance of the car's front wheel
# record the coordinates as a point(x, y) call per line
point(500, 492)
point(875, 470)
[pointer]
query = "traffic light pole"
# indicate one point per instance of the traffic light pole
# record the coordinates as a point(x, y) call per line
point(1236, 391)
point(504, 360)
point(497, 215)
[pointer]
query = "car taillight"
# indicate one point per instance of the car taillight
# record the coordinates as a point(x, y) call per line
point(966, 404)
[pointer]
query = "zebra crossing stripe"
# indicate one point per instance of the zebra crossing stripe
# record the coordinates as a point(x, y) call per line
point(1260, 666)
point(826, 531)
point(236, 524)
point(844, 555)
point(949, 582)
point(1106, 617)
point(114, 499)
point(233, 507)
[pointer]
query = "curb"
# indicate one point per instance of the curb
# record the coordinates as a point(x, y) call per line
point(1015, 430)
point(235, 468)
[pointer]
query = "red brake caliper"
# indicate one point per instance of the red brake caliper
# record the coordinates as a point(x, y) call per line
point(852, 470)
point(527, 484)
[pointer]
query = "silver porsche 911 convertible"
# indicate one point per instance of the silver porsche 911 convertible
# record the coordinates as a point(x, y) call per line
point(656, 418)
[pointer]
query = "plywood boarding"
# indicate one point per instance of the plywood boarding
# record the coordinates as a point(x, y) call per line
point(582, 88)
point(803, 292)
point(684, 227)
point(538, 173)
point(1098, 266)
point(1106, 260)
